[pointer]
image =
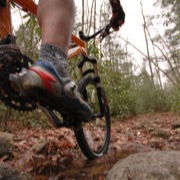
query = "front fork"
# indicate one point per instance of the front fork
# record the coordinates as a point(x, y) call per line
point(98, 86)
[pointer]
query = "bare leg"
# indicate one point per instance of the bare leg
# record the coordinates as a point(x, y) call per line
point(56, 18)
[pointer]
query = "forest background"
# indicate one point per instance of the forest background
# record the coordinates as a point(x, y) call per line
point(132, 88)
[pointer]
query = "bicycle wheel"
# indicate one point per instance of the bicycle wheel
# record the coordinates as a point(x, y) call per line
point(93, 137)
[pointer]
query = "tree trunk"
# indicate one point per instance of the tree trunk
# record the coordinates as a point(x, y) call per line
point(147, 46)
point(83, 15)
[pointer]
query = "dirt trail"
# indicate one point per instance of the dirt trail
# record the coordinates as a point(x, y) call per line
point(61, 158)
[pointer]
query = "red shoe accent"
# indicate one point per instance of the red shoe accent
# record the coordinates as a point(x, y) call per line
point(46, 78)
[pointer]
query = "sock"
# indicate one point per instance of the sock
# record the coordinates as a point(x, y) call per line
point(55, 56)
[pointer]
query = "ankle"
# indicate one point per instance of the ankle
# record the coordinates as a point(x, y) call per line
point(55, 56)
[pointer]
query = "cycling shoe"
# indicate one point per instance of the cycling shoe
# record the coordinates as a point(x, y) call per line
point(42, 82)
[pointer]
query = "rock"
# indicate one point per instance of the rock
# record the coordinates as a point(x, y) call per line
point(7, 136)
point(5, 147)
point(155, 165)
point(176, 124)
point(156, 143)
point(38, 147)
point(161, 133)
point(134, 147)
point(175, 145)
point(177, 131)
point(7, 173)
point(144, 125)
point(5, 143)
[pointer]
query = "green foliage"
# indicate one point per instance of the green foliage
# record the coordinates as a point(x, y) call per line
point(73, 68)
point(149, 97)
point(28, 37)
point(129, 94)
point(174, 99)
point(119, 92)
point(117, 86)
point(34, 118)
point(168, 44)
point(171, 15)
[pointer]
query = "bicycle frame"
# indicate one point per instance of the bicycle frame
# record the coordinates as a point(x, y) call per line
point(30, 7)
point(13, 61)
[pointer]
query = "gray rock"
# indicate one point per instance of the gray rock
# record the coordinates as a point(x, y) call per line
point(7, 173)
point(5, 143)
point(155, 165)
point(156, 143)
point(177, 131)
point(38, 147)
point(176, 124)
point(7, 136)
point(161, 133)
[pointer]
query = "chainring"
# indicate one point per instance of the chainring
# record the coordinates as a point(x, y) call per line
point(12, 61)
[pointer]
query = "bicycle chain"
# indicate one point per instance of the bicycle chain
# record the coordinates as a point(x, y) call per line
point(12, 61)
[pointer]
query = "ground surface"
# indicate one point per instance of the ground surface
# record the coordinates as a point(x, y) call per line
point(50, 154)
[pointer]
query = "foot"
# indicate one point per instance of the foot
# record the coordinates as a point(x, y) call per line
point(44, 84)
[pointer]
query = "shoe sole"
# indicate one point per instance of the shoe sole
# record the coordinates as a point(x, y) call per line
point(64, 105)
